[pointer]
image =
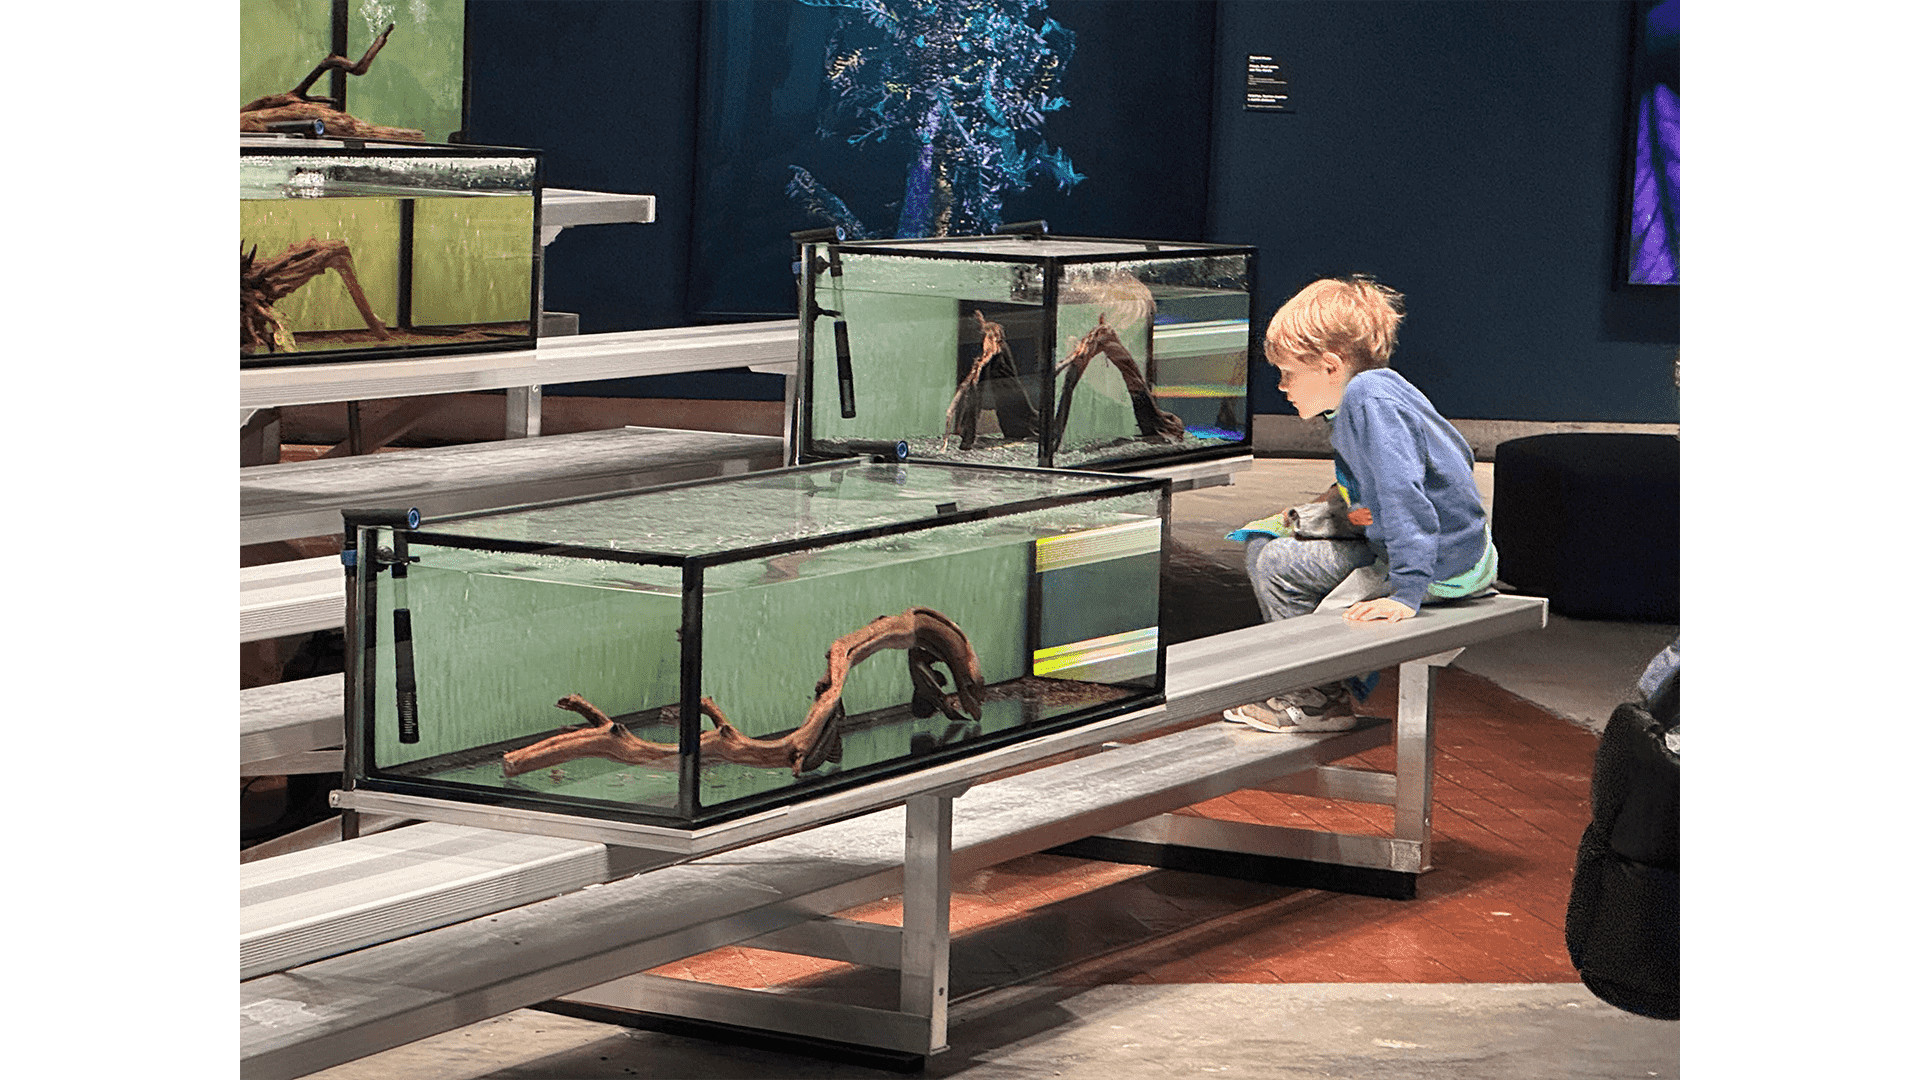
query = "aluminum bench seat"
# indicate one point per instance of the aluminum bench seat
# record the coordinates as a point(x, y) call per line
point(298, 499)
point(292, 727)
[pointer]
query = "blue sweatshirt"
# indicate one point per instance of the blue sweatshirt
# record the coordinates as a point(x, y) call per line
point(1414, 471)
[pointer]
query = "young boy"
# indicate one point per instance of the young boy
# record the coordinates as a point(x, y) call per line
point(1404, 473)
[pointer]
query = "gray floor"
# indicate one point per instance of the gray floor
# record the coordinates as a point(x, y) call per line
point(1352, 1031)
point(1578, 670)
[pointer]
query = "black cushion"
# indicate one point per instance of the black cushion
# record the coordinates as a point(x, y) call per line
point(1623, 911)
point(1591, 521)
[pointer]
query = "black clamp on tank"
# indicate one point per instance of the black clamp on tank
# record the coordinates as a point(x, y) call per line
point(354, 519)
point(406, 690)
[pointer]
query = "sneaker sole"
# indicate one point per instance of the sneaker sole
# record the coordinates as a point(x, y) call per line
point(1261, 718)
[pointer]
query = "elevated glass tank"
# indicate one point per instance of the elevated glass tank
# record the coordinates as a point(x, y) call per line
point(688, 654)
point(1044, 351)
point(363, 250)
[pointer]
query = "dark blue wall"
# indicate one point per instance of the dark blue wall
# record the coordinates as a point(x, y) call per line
point(609, 90)
point(1468, 154)
point(606, 91)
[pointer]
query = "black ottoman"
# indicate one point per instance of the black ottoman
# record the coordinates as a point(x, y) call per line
point(1591, 521)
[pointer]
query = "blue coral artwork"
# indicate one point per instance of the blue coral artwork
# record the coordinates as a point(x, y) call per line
point(966, 84)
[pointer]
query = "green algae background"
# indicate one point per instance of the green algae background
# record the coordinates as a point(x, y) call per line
point(415, 82)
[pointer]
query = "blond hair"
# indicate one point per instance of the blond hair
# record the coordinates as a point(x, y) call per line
point(1356, 318)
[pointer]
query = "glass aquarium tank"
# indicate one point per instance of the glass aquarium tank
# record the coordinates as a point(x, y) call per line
point(692, 653)
point(1024, 350)
point(367, 250)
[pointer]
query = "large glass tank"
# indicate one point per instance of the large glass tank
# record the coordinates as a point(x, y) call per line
point(1055, 352)
point(364, 250)
point(687, 654)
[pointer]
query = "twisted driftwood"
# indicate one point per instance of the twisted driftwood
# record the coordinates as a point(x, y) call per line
point(297, 105)
point(1155, 423)
point(263, 285)
point(926, 635)
point(1011, 403)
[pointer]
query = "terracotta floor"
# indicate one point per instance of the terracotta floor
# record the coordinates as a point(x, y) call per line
point(1510, 803)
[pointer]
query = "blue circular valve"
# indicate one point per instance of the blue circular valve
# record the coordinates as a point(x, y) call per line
point(900, 449)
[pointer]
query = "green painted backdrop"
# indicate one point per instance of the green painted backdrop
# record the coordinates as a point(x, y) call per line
point(418, 80)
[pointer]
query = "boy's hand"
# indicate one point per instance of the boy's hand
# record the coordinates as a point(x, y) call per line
point(1384, 609)
point(1360, 516)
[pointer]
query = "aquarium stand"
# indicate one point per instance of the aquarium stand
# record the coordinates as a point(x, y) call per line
point(563, 207)
point(765, 347)
point(300, 499)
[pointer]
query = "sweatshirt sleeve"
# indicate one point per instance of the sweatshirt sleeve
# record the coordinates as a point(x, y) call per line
point(1391, 475)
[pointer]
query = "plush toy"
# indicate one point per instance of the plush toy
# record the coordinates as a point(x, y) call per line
point(1329, 519)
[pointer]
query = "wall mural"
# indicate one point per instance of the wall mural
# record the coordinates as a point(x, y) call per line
point(911, 118)
point(967, 83)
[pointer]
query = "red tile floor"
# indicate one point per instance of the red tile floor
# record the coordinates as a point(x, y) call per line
point(1510, 802)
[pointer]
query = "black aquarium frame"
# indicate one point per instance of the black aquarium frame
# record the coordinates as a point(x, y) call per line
point(813, 264)
point(363, 636)
point(255, 145)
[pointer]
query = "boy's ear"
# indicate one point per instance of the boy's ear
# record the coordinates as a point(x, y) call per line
point(1331, 363)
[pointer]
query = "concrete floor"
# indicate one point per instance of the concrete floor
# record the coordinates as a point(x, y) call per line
point(1577, 669)
point(1350, 1031)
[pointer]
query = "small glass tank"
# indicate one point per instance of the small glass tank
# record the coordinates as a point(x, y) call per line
point(1034, 350)
point(688, 654)
point(353, 250)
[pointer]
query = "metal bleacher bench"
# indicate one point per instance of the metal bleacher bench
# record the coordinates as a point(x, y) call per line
point(300, 499)
point(375, 942)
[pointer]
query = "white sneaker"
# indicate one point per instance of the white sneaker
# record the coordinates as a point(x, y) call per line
point(1319, 708)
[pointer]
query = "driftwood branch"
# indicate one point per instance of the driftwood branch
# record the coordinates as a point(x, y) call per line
point(331, 63)
point(1154, 422)
point(963, 412)
point(927, 636)
point(995, 368)
point(337, 122)
point(264, 285)
point(297, 105)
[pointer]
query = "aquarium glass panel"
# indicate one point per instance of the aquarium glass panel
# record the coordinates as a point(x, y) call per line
point(419, 77)
point(377, 251)
point(496, 641)
point(1057, 352)
point(848, 621)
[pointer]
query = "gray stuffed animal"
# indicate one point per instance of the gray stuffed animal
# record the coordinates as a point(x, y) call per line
point(1323, 521)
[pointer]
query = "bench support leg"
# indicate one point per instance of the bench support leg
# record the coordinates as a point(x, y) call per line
point(885, 1038)
point(523, 412)
point(1309, 858)
point(260, 438)
point(1413, 758)
point(926, 914)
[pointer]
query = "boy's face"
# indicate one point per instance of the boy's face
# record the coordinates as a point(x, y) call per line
point(1313, 384)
